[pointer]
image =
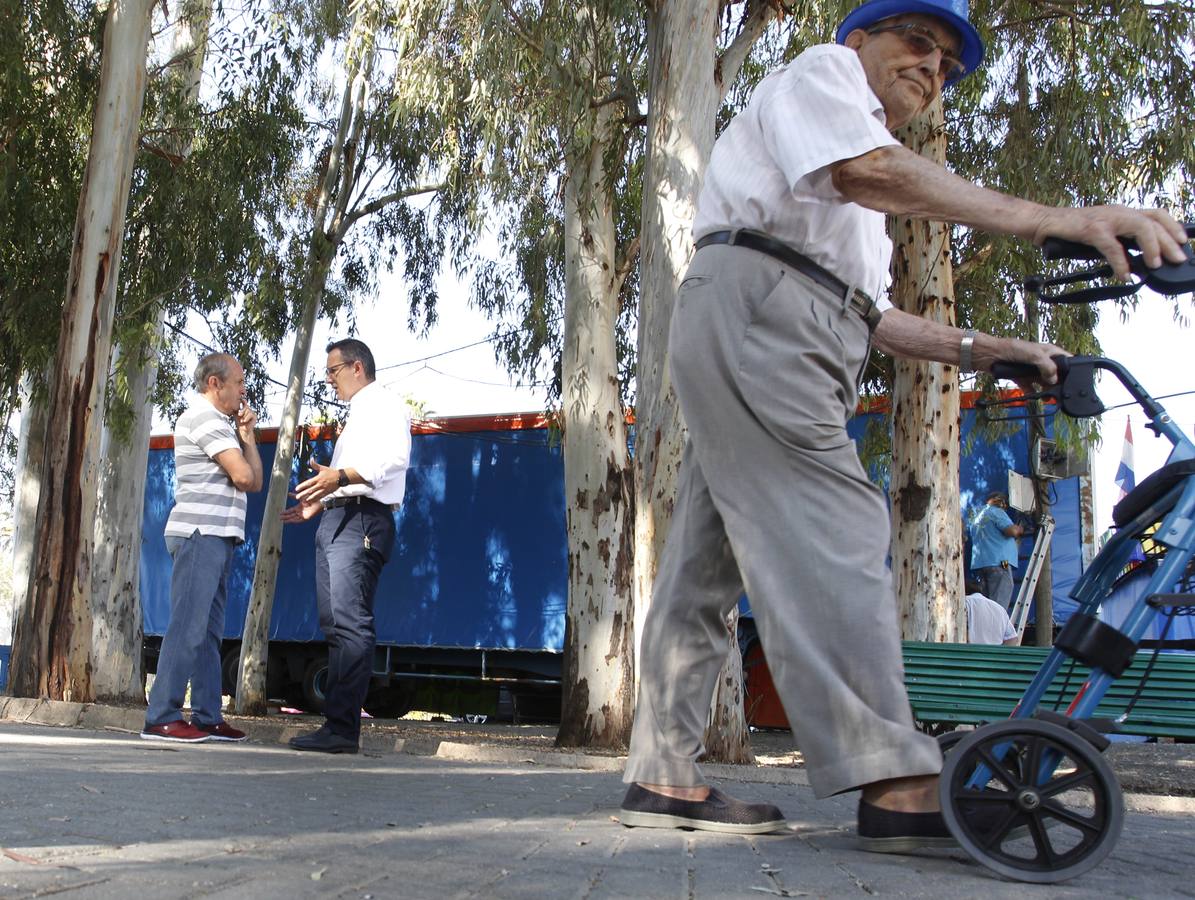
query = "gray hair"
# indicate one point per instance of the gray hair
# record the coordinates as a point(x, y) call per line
point(212, 364)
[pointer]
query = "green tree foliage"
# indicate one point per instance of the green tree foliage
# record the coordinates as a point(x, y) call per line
point(515, 86)
point(49, 70)
point(1079, 103)
point(209, 232)
point(206, 232)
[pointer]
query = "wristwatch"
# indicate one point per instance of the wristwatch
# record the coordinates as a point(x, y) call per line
point(965, 363)
point(343, 480)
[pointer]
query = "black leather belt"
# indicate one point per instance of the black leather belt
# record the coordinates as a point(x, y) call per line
point(356, 500)
point(855, 300)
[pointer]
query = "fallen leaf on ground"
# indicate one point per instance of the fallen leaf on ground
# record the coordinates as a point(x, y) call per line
point(20, 857)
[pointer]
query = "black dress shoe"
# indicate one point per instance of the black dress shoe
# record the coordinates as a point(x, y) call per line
point(324, 741)
point(888, 831)
point(717, 812)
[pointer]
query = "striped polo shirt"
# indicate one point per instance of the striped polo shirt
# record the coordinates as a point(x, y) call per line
point(205, 499)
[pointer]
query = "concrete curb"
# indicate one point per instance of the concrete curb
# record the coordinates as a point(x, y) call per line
point(102, 717)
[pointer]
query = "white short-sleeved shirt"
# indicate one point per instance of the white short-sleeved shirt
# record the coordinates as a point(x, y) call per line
point(205, 499)
point(770, 169)
point(376, 441)
point(987, 622)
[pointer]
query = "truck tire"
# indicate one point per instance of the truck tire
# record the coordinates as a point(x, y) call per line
point(315, 679)
point(230, 669)
point(391, 702)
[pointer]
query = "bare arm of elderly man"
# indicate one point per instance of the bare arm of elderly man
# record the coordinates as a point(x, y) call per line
point(895, 180)
point(902, 334)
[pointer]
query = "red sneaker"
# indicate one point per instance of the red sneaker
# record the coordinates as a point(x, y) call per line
point(222, 731)
point(180, 731)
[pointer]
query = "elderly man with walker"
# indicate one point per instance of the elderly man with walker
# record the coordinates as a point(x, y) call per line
point(773, 324)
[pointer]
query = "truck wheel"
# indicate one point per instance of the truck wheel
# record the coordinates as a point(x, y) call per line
point(391, 702)
point(230, 668)
point(315, 680)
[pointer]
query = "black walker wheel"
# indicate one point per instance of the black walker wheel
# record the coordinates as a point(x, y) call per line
point(951, 739)
point(1025, 825)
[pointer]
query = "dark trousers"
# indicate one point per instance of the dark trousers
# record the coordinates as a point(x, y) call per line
point(351, 546)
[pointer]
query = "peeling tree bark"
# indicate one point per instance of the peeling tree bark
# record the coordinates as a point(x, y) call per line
point(52, 640)
point(598, 677)
point(31, 448)
point(116, 572)
point(926, 521)
point(116, 634)
point(682, 101)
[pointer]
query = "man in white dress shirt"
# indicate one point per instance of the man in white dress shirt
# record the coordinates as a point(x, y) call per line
point(357, 495)
point(987, 620)
point(771, 329)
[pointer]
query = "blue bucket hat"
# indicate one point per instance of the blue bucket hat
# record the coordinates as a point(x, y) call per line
point(953, 12)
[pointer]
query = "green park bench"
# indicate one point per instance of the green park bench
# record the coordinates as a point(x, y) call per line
point(966, 684)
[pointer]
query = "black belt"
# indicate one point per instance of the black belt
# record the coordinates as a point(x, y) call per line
point(855, 300)
point(356, 500)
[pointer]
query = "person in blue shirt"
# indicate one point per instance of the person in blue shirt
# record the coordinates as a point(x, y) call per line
point(994, 548)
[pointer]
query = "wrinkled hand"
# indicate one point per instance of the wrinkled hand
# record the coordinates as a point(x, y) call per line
point(320, 485)
point(246, 421)
point(301, 512)
point(1035, 354)
point(1156, 232)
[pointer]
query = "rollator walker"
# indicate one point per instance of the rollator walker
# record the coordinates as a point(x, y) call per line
point(1031, 797)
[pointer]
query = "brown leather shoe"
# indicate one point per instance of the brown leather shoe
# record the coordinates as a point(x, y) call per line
point(180, 731)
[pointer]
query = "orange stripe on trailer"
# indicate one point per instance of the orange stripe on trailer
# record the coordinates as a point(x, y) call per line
point(520, 421)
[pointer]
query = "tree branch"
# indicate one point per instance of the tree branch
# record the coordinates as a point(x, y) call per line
point(628, 263)
point(374, 205)
point(728, 64)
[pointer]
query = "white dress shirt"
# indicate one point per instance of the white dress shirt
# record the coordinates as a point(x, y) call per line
point(770, 168)
point(987, 622)
point(376, 441)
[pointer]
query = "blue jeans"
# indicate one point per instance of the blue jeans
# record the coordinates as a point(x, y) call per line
point(996, 582)
point(191, 647)
point(351, 546)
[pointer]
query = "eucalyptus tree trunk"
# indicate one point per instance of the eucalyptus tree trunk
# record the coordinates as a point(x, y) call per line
point(326, 235)
point(51, 655)
point(598, 677)
point(116, 573)
point(116, 634)
point(687, 81)
point(927, 559)
point(31, 447)
point(682, 101)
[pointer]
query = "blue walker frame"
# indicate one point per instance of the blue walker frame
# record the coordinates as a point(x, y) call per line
point(1172, 510)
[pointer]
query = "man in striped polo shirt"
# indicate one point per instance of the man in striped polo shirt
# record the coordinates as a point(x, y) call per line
point(216, 461)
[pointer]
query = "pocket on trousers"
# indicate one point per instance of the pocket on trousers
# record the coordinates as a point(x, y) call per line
point(797, 366)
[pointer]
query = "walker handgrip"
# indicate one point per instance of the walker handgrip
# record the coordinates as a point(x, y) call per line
point(1060, 248)
point(1015, 371)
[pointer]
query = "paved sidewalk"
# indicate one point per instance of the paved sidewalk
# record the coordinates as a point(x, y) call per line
point(102, 814)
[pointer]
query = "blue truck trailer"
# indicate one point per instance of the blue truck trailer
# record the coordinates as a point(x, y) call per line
point(470, 610)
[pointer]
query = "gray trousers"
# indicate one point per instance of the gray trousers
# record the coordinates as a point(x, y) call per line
point(772, 499)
